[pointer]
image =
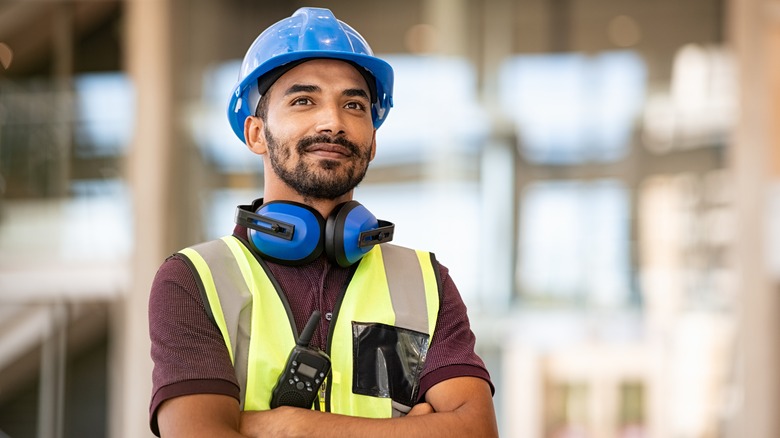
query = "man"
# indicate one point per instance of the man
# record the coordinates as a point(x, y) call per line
point(225, 315)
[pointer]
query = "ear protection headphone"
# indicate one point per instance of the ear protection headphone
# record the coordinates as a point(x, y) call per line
point(293, 234)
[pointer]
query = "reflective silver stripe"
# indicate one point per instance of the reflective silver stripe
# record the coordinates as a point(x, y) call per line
point(407, 289)
point(236, 306)
point(407, 292)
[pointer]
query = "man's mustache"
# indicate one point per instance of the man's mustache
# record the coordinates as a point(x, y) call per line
point(341, 141)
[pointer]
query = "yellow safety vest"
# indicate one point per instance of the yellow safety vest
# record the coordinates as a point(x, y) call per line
point(392, 287)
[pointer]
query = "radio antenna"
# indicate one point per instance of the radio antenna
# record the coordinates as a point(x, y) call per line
point(308, 330)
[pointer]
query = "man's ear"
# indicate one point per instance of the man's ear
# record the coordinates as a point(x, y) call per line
point(254, 136)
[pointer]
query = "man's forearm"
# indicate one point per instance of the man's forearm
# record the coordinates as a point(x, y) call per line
point(460, 407)
point(295, 422)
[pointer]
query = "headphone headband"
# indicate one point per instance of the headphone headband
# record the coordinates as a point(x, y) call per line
point(381, 234)
point(273, 227)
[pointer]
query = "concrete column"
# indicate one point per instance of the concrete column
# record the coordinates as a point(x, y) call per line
point(448, 20)
point(62, 74)
point(498, 178)
point(448, 17)
point(754, 31)
point(150, 64)
point(54, 356)
point(518, 414)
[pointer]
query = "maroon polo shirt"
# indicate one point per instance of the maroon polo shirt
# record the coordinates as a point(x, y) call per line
point(190, 356)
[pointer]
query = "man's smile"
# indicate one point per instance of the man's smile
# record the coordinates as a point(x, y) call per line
point(328, 150)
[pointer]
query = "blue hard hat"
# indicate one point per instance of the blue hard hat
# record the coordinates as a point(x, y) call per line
point(308, 34)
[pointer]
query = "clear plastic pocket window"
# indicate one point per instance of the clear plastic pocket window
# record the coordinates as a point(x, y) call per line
point(388, 361)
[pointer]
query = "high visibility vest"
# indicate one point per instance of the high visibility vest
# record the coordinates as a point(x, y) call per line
point(393, 288)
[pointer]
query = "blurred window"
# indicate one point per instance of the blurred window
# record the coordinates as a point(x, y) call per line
point(209, 125)
point(61, 146)
point(574, 243)
point(435, 111)
point(105, 110)
point(700, 106)
point(573, 108)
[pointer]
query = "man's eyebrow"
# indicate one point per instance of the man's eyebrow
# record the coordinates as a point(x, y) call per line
point(301, 88)
point(355, 92)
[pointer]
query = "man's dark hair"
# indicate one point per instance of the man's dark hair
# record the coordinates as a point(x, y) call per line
point(262, 107)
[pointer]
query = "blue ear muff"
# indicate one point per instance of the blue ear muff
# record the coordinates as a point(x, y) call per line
point(284, 232)
point(350, 232)
point(293, 234)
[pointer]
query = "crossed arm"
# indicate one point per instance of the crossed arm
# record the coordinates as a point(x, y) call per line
point(461, 406)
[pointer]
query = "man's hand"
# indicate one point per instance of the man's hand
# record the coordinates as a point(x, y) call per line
point(420, 409)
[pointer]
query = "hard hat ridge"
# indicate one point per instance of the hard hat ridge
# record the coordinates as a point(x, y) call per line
point(310, 33)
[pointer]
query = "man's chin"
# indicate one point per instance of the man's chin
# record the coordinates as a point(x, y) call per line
point(329, 164)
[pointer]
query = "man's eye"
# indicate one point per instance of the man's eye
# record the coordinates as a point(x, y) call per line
point(301, 101)
point(355, 105)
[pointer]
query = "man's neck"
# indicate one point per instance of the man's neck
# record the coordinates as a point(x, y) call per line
point(323, 206)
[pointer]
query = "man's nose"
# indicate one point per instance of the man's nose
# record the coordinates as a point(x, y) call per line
point(331, 120)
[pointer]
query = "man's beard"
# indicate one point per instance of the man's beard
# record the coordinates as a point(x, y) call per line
point(328, 183)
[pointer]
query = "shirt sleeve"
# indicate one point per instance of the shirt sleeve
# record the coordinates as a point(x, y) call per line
point(451, 353)
point(189, 354)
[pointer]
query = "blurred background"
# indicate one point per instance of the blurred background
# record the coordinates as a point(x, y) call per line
point(602, 177)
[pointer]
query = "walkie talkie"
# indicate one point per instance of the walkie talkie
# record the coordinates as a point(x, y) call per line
point(304, 373)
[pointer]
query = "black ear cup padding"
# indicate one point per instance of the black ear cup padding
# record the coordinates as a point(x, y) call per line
point(334, 233)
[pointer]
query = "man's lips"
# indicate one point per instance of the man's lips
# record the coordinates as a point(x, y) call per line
point(329, 149)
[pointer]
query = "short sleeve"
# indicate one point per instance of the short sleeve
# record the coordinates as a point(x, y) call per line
point(188, 351)
point(451, 353)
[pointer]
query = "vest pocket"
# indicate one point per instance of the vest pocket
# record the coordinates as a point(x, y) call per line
point(387, 361)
